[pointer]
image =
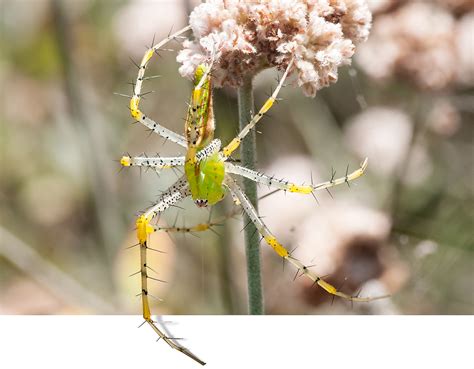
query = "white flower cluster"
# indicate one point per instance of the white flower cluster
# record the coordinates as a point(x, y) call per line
point(248, 36)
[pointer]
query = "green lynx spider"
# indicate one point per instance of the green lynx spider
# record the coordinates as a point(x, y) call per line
point(208, 176)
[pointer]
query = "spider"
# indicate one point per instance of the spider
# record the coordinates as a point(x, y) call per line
point(209, 176)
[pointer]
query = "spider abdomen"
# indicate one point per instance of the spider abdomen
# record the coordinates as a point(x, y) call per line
point(205, 180)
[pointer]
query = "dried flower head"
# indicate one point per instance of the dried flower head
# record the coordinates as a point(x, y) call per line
point(352, 241)
point(248, 37)
point(417, 42)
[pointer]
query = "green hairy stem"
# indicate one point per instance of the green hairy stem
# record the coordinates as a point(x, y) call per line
point(248, 155)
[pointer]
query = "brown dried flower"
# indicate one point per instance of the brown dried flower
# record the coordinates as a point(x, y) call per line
point(251, 36)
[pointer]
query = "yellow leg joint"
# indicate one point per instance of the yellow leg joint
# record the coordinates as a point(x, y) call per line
point(300, 189)
point(201, 227)
point(359, 171)
point(126, 161)
point(230, 148)
point(143, 228)
point(279, 249)
point(148, 55)
point(328, 287)
point(146, 308)
point(268, 104)
point(134, 110)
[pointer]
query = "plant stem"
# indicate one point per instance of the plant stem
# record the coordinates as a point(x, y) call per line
point(248, 154)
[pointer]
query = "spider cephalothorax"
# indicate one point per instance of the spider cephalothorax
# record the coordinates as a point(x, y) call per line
point(205, 176)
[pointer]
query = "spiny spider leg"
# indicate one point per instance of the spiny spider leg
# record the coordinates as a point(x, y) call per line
point(174, 194)
point(235, 143)
point(135, 111)
point(348, 177)
point(281, 251)
point(158, 162)
point(289, 186)
point(201, 227)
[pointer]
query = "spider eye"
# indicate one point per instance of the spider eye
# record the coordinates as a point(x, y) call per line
point(201, 203)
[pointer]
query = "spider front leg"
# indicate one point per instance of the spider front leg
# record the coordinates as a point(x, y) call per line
point(281, 250)
point(160, 162)
point(289, 186)
point(152, 162)
point(134, 107)
point(235, 143)
point(144, 229)
point(202, 227)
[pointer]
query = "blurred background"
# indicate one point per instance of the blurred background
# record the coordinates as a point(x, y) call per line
point(67, 211)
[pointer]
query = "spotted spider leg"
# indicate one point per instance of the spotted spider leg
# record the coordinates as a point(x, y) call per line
point(135, 111)
point(235, 143)
point(200, 227)
point(284, 185)
point(160, 162)
point(177, 192)
point(280, 249)
point(152, 162)
point(144, 229)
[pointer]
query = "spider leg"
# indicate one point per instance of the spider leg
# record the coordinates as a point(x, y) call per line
point(289, 186)
point(174, 194)
point(201, 227)
point(284, 253)
point(135, 111)
point(158, 162)
point(235, 143)
point(346, 179)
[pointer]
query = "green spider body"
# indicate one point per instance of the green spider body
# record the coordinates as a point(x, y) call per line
point(206, 176)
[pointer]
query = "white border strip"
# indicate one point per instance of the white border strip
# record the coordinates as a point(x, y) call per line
point(228, 342)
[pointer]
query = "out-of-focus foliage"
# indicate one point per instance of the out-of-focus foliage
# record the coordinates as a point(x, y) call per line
point(67, 212)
